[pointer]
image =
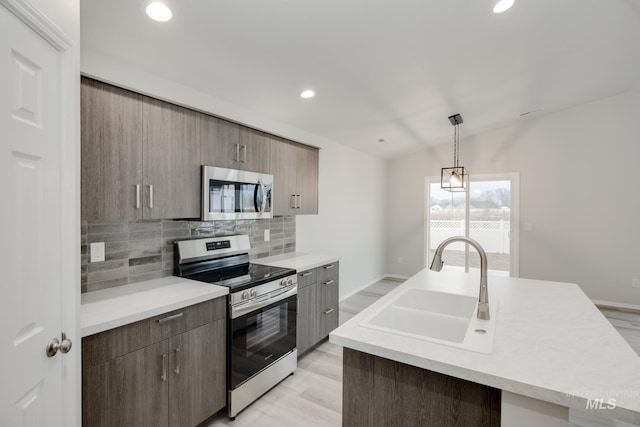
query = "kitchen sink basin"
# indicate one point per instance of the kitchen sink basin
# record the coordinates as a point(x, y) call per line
point(434, 316)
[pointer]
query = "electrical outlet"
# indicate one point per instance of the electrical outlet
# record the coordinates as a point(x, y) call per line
point(97, 251)
point(635, 283)
point(267, 235)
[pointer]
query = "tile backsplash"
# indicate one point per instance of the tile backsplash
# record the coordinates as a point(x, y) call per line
point(143, 250)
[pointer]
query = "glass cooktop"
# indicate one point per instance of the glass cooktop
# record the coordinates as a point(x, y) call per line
point(241, 277)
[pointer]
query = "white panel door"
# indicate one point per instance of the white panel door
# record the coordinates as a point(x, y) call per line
point(32, 217)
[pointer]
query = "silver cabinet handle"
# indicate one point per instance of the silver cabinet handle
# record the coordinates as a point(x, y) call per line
point(237, 159)
point(150, 196)
point(54, 345)
point(177, 368)
point(163, 377)
point(293, 201)
point(168, 318)
point(328, 311)
point(137, 196)
point(299, 201)
point(329, 267)
point(244, 156)
point(306, 273)
point(329, 282)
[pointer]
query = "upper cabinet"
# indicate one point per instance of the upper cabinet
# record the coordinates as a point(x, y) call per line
point(295, 175)
point(142, 157)
point(171, 161)
point(232, 146)
point(111, 129)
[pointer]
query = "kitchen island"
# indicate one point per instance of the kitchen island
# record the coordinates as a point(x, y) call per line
point(552, 350)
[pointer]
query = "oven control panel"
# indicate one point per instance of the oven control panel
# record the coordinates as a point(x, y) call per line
point(220, 244)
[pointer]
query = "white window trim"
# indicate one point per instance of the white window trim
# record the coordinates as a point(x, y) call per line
point(514, 177)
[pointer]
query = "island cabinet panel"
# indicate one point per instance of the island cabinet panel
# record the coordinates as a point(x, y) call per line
point(317, 305)
point(171, 161)
point(168, 370)
point(382, 392)
point(295, 170)
point(111, 165)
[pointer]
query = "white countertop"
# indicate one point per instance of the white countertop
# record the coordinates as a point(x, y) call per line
point(551, 343)
point(109, 308)
point(298, 261)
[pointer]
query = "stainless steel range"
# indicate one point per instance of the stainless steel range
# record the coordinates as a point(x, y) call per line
point(261, 326)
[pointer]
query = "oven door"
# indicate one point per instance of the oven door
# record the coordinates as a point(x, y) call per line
point(235, 194)
point(261, 337)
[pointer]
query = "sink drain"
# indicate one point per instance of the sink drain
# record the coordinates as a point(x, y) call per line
point(480, 331)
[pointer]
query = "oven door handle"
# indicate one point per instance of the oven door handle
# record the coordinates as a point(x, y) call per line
point(241, 310)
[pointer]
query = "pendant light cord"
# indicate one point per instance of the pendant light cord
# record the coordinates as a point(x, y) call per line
point(455, 146)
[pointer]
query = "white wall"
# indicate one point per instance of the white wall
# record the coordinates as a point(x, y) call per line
point(578, 187)
point(351, 219)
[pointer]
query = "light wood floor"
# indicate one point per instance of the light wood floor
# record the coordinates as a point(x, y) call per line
point(313, 395)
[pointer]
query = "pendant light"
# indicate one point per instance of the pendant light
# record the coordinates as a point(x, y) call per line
point(454, 178)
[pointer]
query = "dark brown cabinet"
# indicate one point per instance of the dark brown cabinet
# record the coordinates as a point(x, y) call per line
point(170, 160)
point(165, 371)
point(230, 145)
point(317, 305)
point(295, 170)
point(111, 169)
point(140, 156)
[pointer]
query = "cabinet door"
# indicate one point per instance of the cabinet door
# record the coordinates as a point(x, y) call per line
point(283, 168)
point(198, 374)
point(307, 180)
point(111, 132)
point(327, 299)
point(254, 153)
point(307, 333)
point(171, 162)
point(131, 390)
point(219, 141)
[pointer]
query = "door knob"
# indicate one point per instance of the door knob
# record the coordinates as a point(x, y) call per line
point(54, 345)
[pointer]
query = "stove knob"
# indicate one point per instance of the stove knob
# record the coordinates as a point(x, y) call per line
point(245, 295)
point(253, 293)
point(290, 282)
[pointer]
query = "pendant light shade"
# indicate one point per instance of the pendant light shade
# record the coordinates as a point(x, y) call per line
point(454, 178)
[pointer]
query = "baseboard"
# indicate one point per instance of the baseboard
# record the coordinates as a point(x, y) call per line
point(396, 277)
point(393, 277)
point(618, 305)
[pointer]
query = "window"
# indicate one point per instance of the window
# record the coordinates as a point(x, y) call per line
point(487, 212)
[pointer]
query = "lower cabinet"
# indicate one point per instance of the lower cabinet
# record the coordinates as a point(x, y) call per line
point(169, 370)
point(317, 305)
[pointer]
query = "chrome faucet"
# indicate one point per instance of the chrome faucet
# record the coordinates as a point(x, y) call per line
point(483, 298)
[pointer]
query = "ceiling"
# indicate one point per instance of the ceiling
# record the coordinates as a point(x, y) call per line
point(381, 69)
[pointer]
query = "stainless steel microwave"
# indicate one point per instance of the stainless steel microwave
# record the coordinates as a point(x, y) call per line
point(235, 194)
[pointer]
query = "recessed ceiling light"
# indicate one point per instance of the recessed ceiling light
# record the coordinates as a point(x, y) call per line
point(159, 11)
point(307, 93)
point(502, 5)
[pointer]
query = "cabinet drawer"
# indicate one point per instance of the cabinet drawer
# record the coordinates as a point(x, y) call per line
point(108, 345)
point(306, 278)
point(328, 272)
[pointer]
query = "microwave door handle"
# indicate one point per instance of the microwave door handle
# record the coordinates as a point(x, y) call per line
point(264, 197)
point(259, 208)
